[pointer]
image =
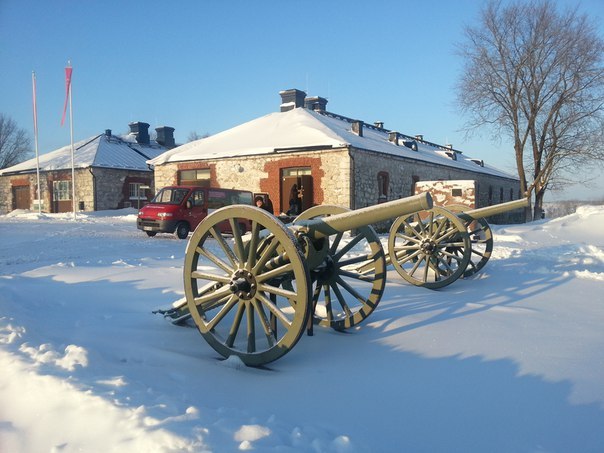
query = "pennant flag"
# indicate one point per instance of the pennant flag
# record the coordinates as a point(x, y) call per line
point(68, 71)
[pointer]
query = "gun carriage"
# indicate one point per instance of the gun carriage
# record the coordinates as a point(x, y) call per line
point(430, 249)
point(254, 292)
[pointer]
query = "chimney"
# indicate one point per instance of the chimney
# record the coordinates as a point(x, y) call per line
point(419, 137)
point(393, 137)
point(379, 124)
point(449, 146)
point(357, 127)
point(315, 103)
point(291, 99)
point(411, 144)
point(108, 132)
point(165, 136)
point(140, 131)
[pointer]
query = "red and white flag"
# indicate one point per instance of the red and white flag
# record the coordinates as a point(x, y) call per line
point(68, 71)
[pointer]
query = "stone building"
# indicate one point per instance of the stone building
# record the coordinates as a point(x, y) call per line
point(319, 157)
point(110, 171)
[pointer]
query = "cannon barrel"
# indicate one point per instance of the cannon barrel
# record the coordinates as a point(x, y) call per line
point(338, 223)
point(487, 211)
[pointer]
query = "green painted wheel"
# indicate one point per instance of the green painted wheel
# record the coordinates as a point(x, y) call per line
point(349, 280)
point(430, 248)
point(481, 239)
point(247, 293)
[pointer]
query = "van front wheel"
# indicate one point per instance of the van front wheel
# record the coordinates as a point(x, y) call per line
point(182, 230)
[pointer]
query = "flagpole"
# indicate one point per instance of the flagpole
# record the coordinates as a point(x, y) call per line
point(73, 191)
point(35, 106)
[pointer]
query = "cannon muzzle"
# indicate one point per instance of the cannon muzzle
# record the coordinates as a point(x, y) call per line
point(351, 220)
point(488, 211)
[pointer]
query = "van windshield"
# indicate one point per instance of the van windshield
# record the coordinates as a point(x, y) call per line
point(170, 196)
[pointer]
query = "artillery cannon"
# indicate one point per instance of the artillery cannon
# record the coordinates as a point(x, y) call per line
point(435, 248)
point(252, 295)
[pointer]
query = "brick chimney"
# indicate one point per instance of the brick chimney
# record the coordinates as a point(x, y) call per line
point(291, 99)
point(165, 136)
point(315, 103)
point(140, 131)
point(393, 137)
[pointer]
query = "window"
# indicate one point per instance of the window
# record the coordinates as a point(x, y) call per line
point(195, 177)
point(197, 198)
point(456, 192)
point(170, 196)
point(382, 182)
point(490, 195)
point(511, 194)
point(136, 191)
point(414, 181)
point(501, 195)
point(61, 190)
point(298, 171)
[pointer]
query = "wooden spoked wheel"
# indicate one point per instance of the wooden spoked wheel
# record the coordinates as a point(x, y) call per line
point(349, 281)
point(430, 248)
point(247, 293)
point(481, 239)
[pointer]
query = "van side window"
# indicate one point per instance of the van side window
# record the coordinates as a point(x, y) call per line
point(216, 199)
point(197, 198)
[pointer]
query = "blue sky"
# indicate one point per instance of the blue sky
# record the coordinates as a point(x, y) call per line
point(204, 67)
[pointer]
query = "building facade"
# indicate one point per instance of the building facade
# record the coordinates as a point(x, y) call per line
point(110, 172)
point(317, 157)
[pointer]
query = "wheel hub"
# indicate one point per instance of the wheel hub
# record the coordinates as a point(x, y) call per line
point(428, 246)
point(243, 284)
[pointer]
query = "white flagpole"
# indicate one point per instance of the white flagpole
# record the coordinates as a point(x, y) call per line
point(73, 191)
point(38, 194)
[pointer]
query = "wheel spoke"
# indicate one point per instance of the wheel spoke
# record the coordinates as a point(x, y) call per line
point(273, 273)
point(268, 332)
point(251, 329)
point(347, 247)
point(214, 259)
point(211, 277)
point(237, 239)
point(224, 246)
point(222, 312)
point(230, 341)
point(218, 294)
point(274, 310)
point(341, 299)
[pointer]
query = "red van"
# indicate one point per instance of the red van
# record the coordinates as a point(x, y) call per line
point(179, 209)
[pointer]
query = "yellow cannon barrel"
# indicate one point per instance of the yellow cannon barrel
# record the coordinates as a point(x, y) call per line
point(487, 211)
point(327, 226)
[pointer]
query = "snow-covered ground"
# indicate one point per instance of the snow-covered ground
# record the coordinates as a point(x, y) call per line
point(511, 360)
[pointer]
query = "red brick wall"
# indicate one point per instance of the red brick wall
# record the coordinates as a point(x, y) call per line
point(271, 184)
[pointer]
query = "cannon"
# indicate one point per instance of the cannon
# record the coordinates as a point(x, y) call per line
point(253, 295)
point(436, 247)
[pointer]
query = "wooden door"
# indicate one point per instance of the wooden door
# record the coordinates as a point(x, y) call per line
point(21, 197)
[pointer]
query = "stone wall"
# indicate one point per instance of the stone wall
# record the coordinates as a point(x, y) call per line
point(403, 173)
point(330, 171)
point(112, 188)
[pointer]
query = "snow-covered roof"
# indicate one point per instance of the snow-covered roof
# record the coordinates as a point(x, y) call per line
point(301, 128)
point(106, 151)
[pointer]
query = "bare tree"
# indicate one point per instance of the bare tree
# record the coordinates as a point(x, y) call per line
point(15, 144)
point(193, 136)
point(538, 76)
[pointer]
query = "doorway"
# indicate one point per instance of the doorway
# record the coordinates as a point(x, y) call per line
point(296, 190)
